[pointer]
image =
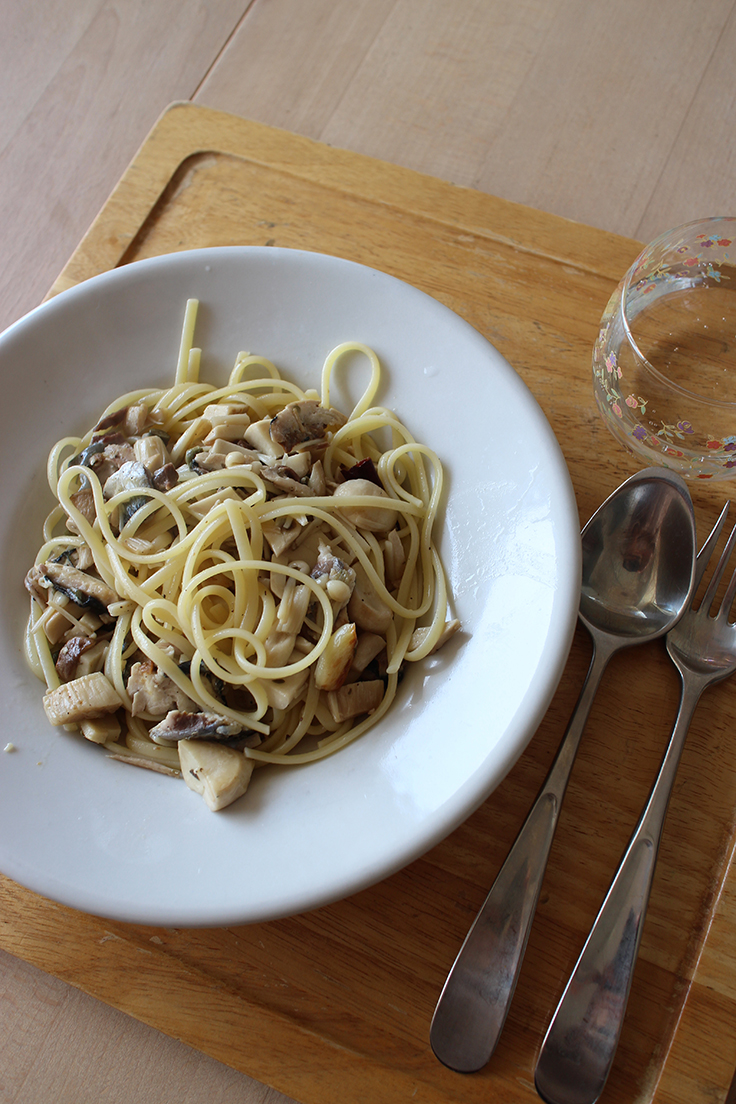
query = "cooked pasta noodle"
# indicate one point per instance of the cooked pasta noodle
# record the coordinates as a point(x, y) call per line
point(236, 575)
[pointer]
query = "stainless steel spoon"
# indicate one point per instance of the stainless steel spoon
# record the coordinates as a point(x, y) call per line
point(638, 573)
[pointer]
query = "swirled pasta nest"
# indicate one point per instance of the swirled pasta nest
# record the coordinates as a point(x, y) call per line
point(236, 575)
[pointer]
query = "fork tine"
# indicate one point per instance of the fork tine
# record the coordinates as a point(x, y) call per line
point(706, 551)
point(731, 588)
point(712, 587)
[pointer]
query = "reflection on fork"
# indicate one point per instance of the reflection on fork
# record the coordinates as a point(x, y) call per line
point(578, 1050)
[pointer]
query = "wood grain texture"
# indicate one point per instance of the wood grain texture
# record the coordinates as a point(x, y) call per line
point(94, 93)
point(70, 1055)
point(335, 1004)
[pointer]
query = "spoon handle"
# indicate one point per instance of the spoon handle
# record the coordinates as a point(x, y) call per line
point(475, 1000)
point(581, 1041)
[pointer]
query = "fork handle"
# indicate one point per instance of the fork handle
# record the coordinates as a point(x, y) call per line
point(581, 1041)
point(475, 1000)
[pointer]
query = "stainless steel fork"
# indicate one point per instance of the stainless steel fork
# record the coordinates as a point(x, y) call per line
point(578, 1050)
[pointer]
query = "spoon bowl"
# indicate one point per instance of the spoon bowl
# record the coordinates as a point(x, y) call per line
point(638, 574)
point(638, 559)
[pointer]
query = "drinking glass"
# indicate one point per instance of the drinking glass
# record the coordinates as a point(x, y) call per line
point(664, 364)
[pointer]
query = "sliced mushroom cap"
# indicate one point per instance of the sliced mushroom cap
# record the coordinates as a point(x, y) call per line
point(376, 519)
point(283, 479)
point(304, 421)
point(83, 589)
point(68, 657)
point(333, 665)
point(355, 698)
point(365, 607)
point(153, 692)
point(81, 699)
point(179, 725)
point(130, 476)
point(219, 774)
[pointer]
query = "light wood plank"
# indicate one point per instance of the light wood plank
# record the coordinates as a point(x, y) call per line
point(596, 121)
point(65, 156)
point(697, 179)
point(52, 31)
point(60, 1045)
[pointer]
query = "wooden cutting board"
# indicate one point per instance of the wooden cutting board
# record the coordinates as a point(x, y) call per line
point(335, 1005)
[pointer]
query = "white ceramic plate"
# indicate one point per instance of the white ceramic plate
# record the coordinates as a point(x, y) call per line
point(110, 839)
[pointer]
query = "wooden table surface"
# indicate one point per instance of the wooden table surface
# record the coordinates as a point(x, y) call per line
point(618, 115)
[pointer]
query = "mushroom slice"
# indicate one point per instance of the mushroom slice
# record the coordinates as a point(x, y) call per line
point(420, 635)
point(68, 658)
point(365, 607)
point(355, 698)
point(82, 699)
point(165, 478)
point(304, 421)
point(145, 762)
point(317, 481)
point(84, 501)
point(258, 436)
point(369, 646)
point(376, 519)
point(279, 536)
point(101, 730)
point(282, 478)
point(336, 660)
point(111, 456)
point(219, 774)
point(178, 725)
point(281, 693)
point(151, 452)
point(135, 419)
point(153, 692)
point(83, 589)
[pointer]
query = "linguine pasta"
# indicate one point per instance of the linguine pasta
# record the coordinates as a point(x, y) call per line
point(235, 575)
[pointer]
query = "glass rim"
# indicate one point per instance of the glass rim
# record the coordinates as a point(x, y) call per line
point(676, 387)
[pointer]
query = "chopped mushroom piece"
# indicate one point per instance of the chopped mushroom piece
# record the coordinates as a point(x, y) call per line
point(304, 421)
point(83, 589)
point(84, 501)
point(135, 419)
point(258, 436)
point(219, 774)
point(151, 452)
point(102, 730)
point(280, 478)
point(111, 457)
point(355, 698)
point(180, 725)
point(420, 635)
point(317, 481)
point(369, 646)
point(336, 660)
point(165, 478)
point(281, 693)
point(376, 519)
point(68, 657)
point(365, 607)
point(153, 692)
point(82, 699)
